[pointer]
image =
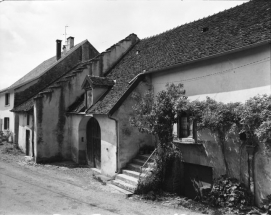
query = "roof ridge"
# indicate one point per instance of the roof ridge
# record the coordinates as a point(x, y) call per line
point(51, 66)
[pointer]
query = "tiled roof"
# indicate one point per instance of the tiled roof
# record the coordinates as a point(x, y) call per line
point(78, 105)
point(245, 25)
point(26, 106)
point(42, 68)
point(100, 81)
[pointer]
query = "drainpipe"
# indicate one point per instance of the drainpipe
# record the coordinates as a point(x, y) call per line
point(117, 145)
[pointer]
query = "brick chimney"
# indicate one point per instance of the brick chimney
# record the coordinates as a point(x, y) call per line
point(70, 43)
point(58, 49)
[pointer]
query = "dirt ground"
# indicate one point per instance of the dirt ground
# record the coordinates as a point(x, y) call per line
point(74, 174)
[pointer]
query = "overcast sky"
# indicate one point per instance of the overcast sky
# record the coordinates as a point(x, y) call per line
point(29, 29)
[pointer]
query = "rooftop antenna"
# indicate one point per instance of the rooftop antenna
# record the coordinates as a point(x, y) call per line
point(66, 34)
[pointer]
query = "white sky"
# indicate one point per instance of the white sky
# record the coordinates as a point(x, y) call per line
point(29, 29)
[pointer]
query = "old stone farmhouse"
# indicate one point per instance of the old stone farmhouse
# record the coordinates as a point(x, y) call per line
point(83, 114)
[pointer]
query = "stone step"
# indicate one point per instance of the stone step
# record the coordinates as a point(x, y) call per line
point(131, 173)
point(133, 167)
point(139, 162)
point(127, 179)
point(145, 157)
point(124, 185)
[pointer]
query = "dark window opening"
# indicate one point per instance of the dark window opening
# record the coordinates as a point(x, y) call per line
point(7, 99)
point(205, 29)
point(186, 126)
point(6, 123)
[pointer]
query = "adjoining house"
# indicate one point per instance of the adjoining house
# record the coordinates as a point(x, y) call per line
point(21, 92)
point(84, 115)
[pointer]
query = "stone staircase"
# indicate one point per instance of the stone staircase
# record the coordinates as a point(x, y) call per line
point(129, 177)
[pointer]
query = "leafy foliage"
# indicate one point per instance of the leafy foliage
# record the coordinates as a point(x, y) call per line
point(256, 120)
point(229, 192)
point(266, 204)
point(156, 115)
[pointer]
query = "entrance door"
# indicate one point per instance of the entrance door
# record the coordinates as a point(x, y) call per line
point(94, 143)
point(27, 142)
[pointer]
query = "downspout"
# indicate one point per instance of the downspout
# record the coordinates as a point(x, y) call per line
point(117, 145)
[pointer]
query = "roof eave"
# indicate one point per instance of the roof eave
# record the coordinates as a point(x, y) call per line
point(209, 57)
point(125, 94)
point(61, 59)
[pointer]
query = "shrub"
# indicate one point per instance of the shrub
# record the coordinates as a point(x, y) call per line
point(229, 192)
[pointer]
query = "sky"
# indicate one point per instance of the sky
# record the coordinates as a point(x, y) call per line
point(29, 29)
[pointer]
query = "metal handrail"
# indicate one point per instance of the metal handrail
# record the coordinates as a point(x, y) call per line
point(147, 161)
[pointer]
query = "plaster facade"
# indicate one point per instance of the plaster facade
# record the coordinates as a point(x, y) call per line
point(130, 139)
point(26, 129)
point(234, 77)
point(5, 111)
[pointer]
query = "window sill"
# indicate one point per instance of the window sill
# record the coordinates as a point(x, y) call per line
point(7, 105)
point(185, 141)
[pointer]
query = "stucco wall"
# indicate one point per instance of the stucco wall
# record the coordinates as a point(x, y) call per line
point(232, 78)
point(53, 126)
point(130, 139)
point(22, 132)
point(108, 144)
point(5, 110)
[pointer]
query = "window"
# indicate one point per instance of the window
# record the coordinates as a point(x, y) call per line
point(186, 128)
point(6, 123)
point(7, 99)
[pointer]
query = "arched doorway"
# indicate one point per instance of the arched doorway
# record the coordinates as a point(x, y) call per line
point(94, 143)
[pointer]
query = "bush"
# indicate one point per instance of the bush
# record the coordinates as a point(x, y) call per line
point(267, 204)
point(229, 192)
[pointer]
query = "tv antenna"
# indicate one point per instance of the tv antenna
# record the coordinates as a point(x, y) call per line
point(66, 34)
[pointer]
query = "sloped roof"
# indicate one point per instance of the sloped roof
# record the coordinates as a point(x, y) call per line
point(28, 104)
point(78, 105)
point(42, 68)
point(245, 25)
point(98, 81)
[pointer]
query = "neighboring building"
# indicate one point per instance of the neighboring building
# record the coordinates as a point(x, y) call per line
point(36, 80)
point(84, 115)
point(62, 130)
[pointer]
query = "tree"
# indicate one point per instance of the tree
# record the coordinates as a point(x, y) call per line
point(156, 115)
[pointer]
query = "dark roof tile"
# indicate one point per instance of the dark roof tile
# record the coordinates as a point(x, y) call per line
point(244, 25)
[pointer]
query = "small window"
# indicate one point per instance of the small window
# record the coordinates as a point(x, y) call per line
point(6, 123)
point(7, 99)
point(186, 127)
point(27, 119)
point(205, 29)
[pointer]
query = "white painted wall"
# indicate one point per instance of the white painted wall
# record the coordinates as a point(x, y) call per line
point(22, 132)
point(230, 78)
point(5, 110)
point(234, 77)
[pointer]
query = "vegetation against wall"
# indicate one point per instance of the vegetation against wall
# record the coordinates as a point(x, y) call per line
point(156, 115)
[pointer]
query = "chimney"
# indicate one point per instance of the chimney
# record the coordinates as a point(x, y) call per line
point(64, 49)
point(58, 49)
point(70, 43)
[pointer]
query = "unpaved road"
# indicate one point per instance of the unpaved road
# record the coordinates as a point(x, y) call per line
point(38, 190)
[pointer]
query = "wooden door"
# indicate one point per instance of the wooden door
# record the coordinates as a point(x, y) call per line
point(27, 142)
point(94, 143)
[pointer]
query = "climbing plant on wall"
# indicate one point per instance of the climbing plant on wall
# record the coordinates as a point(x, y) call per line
point(221, 119)
point(156, 115)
